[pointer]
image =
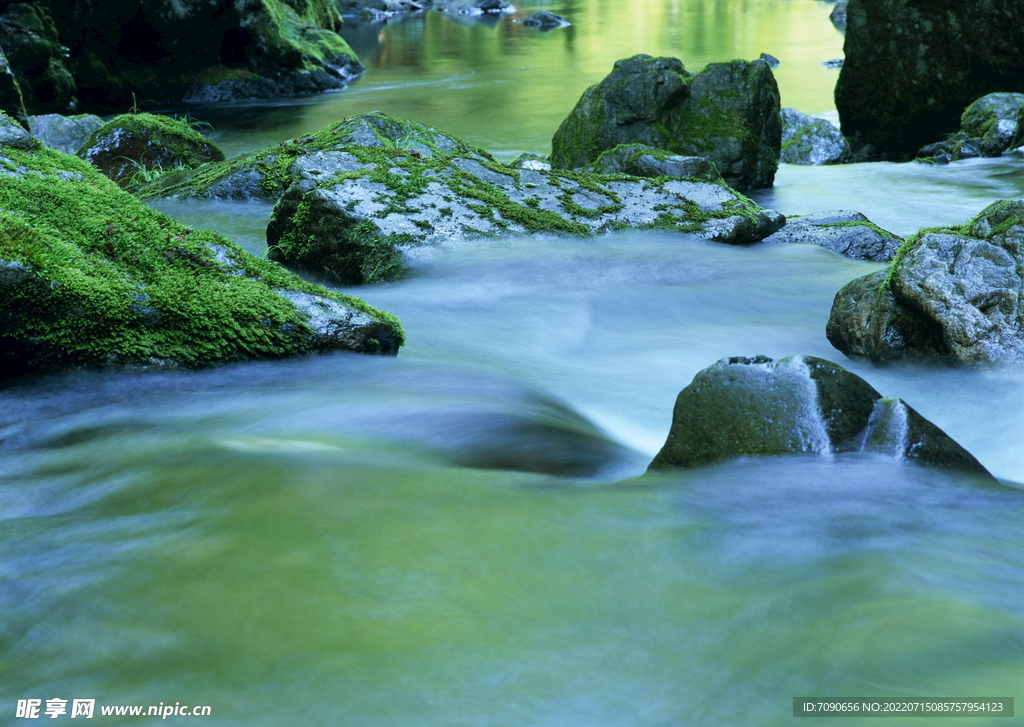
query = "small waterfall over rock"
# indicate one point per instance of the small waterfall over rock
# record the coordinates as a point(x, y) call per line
point(888, 429)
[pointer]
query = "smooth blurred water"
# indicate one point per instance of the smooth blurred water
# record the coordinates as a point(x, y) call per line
point(463, 535)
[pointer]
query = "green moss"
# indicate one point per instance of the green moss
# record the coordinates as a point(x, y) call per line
point(856, 223)
point(118, 283)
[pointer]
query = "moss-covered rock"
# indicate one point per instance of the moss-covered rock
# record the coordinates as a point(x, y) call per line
point(11, 101)
point(131, 146)
point(14, 135)
point(812, 141)
point(728, 113)
point(797, 405)
point(953, 294)
point(92, 277)
point(844, 231)
point(37, 57)
point(988, 127)
point(641, 160)
point(265, 174)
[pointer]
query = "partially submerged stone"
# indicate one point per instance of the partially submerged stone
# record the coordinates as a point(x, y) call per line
point(843, 231)
point(474, 7)
point(952, 294)
point(130, 145)
point(92, 277)
point(728, 113)
point(797, 405)
point(353, 226)
point(64, 133)
point(812, 141)
point(988, 127)
point(641, 160)
point(545, 20)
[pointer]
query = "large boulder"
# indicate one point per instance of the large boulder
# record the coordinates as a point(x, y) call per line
point(92, 277)
point(129, 146)
point(912, 67)
point(29, 39)
point(728, 113)
point(812, 141)
point(797, 405)
point(65, 133)
point(843, 231)
point(952, 294)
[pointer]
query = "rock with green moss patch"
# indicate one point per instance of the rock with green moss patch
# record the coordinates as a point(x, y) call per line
point(265, 174)
point(37, 57)
point(798, 405)
point(353, 226)
point(988, 127)
point(952, 294)
point(64, 133)
point(11, 101)
point(12, 134)
point(728, 113)
point(812, 141)
point(92, 277)
point(131, 147)
point(641, 160)
point(843, 231)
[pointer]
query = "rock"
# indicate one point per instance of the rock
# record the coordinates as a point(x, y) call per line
point(833, 63)
point(92, 277)
point(847, 233)
point(812, 141)
point(641, 160)
point(13, 135)
point(30, 42)
point(799, 404)
point(66, 133)
point(131, 145)
point(912, 67)
point(988, 127)
point(838, 14)
point(770, 60)
point(526, 160)
point(728, 113)
point(474, 7)
point(11, 102)
point(545, 20)
point(952, 295)
point(266, 173)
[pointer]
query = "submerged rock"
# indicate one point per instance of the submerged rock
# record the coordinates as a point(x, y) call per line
point(800, 404)
point(912, 67)
point(64, 133)
point(952, 294)
point(728, 113)
point(92, 277)
point(545, 20)
point(846, 232)
point(641, 160)
point(812, 141)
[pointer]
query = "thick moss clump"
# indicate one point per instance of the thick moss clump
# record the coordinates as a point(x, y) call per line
point(90, 276)
point(131, 147)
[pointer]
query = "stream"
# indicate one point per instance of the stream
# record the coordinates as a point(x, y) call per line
point(464, 534)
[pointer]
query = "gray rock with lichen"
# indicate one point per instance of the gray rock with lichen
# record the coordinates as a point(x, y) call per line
point(812, 141)
point(641, 160)
point(955, 296)
point(64, 133)
point(797, 405)
point(845, 232)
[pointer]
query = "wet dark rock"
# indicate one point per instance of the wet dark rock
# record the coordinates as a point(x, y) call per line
point(953, 295)
point(65, 133)
point(90, 276)
point(12, 134)
point(845, 232)
point(475, 7)
point(812, 141)
point(834, 63)
point(11, 101)
point(130, 145)
point(989, 126)
point(797, 405)
point(728, 113)
point(34, 51)
point(770, 60)
point(641, 160)
point(912, 67)
point(838, 14)
point(545, 20)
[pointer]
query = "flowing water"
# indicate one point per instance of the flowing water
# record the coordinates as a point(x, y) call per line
point(463, 535)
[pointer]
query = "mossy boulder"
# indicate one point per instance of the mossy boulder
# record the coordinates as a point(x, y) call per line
point(64, 133)
point(92, 277)
point(11, 101)
point(912, 67)
point(641, 160)
point(797, 405)
point(372, 204)
point(989, 126)
point(265, 174)
point(34, 51)
point(812, 141)
point(129, 146)
point(843, 231)
point(953, 294)
point(728, 113)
